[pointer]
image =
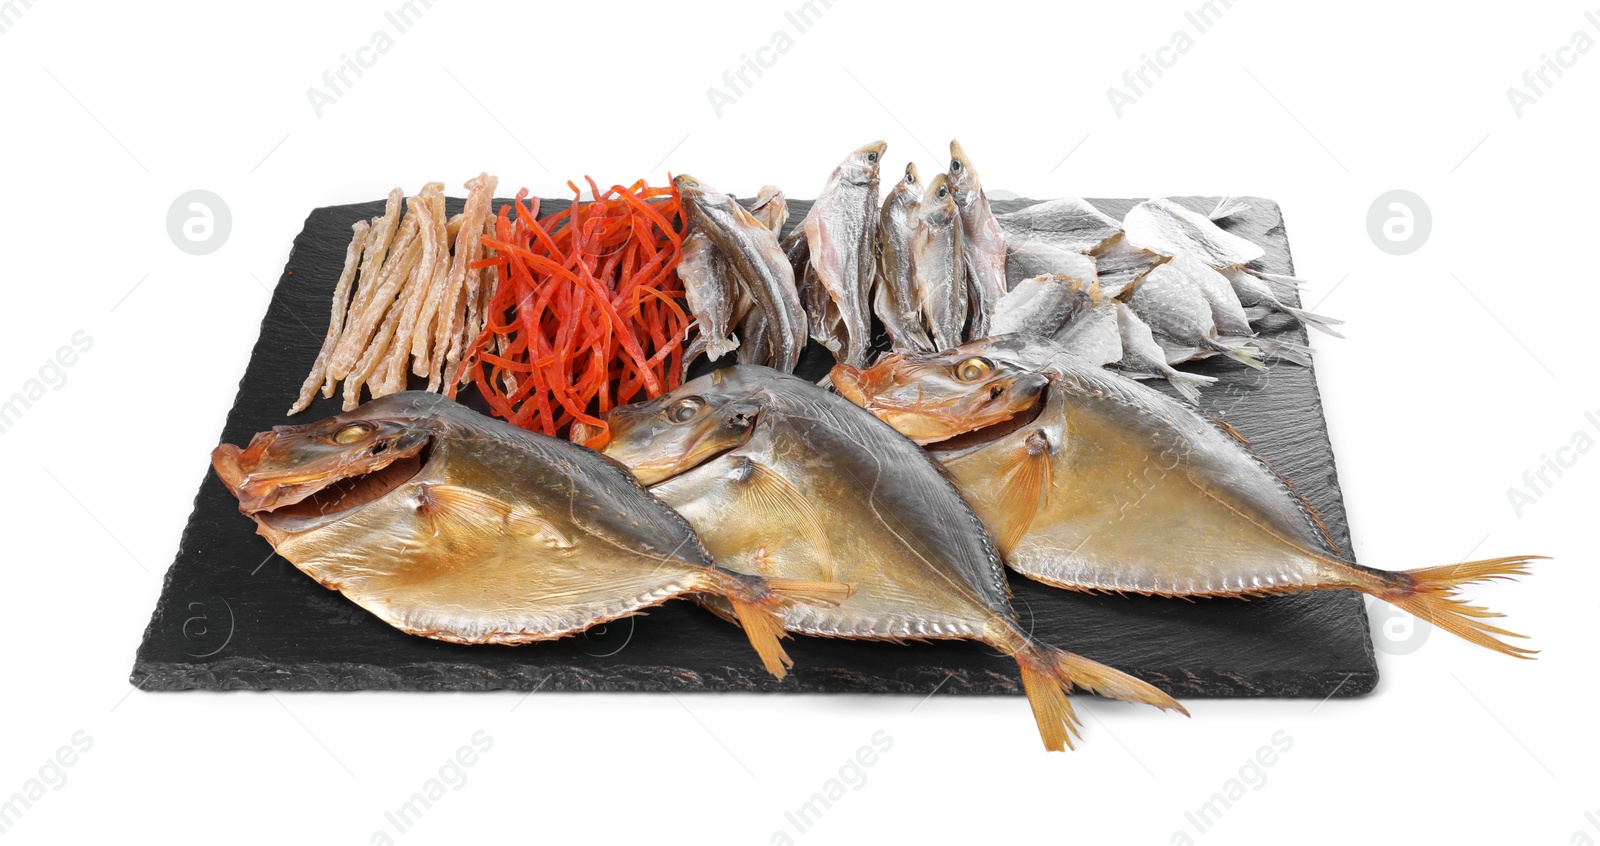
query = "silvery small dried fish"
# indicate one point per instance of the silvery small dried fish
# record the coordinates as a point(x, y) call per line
point(894, 296)
point(938, 267)
point(1162, 226)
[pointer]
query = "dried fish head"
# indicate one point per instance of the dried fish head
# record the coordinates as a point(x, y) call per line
point(931, 397)
point(292, 464)
point(679, 431)
point(861, 166)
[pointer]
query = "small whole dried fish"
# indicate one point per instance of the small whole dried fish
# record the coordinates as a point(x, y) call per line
point(1255, 291)
point(752, 252)
point(1164, 227)
point(459, 527)
point(894, 297)
point(841, 236)
point(1091, 481)
point(1179, 314)
point(782, 478)
point(938, 265)
point(1070, 223)
point(1143, 357)
point(710, 290)
point(771, 208)
point(1042, 305)
point(983, 247)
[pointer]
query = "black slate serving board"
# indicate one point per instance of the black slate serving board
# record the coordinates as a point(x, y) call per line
point(232, 615)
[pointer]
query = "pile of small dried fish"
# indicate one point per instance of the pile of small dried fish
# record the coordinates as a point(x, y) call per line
point(1165, 286)
point(408, 298)
point(937, 267)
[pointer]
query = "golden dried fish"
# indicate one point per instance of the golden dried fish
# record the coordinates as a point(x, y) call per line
point(458, 527)
point(1091, 481)
point(782, 478)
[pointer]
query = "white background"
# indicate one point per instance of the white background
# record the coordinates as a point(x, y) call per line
point(1466, 362)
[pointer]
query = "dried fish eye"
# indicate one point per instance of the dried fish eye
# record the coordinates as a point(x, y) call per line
point(955, 165)
point(973, 369)
point(685, 409)
point(872, 156)
point(943, 191)
point(911, 179)
point(351, 433)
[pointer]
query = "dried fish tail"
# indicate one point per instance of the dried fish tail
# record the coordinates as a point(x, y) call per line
point(1430, 594)
point(758, 605)
point(1048, 673)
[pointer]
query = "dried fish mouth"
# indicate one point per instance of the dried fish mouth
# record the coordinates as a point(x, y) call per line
point(341, 497)
point(983, 435)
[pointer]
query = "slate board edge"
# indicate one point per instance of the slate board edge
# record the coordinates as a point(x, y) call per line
point(251, 674)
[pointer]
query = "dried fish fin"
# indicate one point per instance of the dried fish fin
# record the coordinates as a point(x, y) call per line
point(1028, 489)
point(767, 493)
point(1430, 594)
point(1228, 207)
point(1255, 292)
point(758, 606)
point(1048, 673)
point(453, 508)
point(341, 299)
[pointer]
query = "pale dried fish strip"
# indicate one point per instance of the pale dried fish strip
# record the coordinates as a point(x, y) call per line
point(382, 239)
point(341, 297)
point(422, 332)
point(418, 284)
point(374, 353)
point(463, 282)
point(363, 323)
